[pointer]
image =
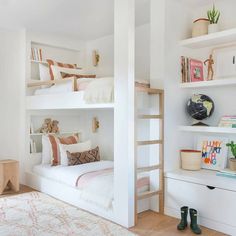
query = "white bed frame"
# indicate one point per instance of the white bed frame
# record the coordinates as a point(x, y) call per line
point(71, 195)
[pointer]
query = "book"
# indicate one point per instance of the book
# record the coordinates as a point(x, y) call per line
point(36, 54)
point(223, 174)
point(228, 122)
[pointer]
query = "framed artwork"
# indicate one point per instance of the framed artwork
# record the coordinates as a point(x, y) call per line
point(214, 152)
point(196, 70)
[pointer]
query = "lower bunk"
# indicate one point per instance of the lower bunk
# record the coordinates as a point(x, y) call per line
point(88, 186)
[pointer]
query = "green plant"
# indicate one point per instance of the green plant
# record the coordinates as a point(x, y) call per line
point(213, 15)
point(232, 145)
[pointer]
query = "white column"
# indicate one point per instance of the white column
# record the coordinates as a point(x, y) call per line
point(124, 37)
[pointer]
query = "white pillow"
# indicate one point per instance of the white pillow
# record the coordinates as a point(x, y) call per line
point(46, 150)
point(78, 147)
point(44, 74)
point(56, 70)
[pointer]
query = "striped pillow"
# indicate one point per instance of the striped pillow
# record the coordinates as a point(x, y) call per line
point(54, 63)
point(54, 140)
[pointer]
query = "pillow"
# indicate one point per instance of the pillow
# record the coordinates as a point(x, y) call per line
point(46, 150)
point(79, 158)
point(44, 74)
point(54, 141)
point(78, 147)
point(59, 64)
point(67, 75)
point(57, 70)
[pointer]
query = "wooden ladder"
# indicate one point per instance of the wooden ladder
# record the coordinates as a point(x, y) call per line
point(160, 118)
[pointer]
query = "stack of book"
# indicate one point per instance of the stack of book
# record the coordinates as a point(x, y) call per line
point(191, 70)
point(227, 173)
point(36, 54)
point(228, 122)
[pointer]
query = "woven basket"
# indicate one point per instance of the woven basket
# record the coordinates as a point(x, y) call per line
point(190, 159)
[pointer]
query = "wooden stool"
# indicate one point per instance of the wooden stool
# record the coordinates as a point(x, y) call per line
point(9, 175)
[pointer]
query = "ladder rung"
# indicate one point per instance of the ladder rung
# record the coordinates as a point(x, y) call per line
point(141, 143)
point(149, 90)
point(150, 116)
point(148, 194)
point(148, 168)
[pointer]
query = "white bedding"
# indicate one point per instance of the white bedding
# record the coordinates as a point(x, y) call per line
point(93, 180)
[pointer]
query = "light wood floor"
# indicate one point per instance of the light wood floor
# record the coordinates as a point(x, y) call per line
point(149, 223)
point(153, 224)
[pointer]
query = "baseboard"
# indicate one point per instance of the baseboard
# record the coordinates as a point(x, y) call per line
point(208, 223)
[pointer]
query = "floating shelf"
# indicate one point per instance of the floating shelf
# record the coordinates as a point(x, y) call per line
point(40, 134)
point(203, 177)
point(210, 40)
point(211, 83)
point(207, 129)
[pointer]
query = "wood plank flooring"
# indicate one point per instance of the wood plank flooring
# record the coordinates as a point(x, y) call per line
point(23, 189)
point(153, 224)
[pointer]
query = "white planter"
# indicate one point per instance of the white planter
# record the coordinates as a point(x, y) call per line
point(213, 28)
point(200, 27)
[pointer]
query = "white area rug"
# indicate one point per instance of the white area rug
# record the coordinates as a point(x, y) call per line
point(36, 214)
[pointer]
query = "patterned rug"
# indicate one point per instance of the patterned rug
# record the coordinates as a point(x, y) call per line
point(36, 214)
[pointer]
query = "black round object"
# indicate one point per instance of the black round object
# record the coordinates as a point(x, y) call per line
point(200, 106)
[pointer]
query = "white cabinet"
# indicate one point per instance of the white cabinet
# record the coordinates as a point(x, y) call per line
point(216, 206)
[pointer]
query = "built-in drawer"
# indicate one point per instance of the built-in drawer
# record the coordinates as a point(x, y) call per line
point(212, 203)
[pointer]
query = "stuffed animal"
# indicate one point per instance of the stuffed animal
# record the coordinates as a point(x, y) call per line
point(47, 126)
point(55, 128)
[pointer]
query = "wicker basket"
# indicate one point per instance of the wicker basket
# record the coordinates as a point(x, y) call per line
point(190, 159)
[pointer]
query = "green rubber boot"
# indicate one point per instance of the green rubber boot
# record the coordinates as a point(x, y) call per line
point(194, 226)
point(184, 214)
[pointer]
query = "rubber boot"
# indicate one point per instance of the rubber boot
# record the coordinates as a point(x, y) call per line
point(184, 214)
point(194, 226)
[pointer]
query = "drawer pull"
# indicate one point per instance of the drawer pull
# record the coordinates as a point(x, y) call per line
point(210, 187)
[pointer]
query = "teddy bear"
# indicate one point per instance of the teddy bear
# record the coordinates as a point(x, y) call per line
point(47, 126)
point(55, 128)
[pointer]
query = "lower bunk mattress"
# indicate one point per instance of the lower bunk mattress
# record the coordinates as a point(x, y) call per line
point(94, 181)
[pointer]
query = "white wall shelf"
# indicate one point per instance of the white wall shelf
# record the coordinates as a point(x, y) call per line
point(210, 40)
point(211, 83)
point(40, 134)
point(207, 129)
point(203, 177)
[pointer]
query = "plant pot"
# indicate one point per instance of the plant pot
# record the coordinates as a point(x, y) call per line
point(200, 27)
point(191, 159)
point(232, 164)
point(213, 28)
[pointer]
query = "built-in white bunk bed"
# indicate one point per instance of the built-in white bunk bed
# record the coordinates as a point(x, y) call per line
point(117, 114)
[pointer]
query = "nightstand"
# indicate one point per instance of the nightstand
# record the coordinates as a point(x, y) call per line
point(9, 175)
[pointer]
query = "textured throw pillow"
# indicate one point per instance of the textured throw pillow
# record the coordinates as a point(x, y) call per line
point(72, 148)
point(79, 158)
point(55, 141)
point(44, 74)
point(59, 64)
point(67, 75)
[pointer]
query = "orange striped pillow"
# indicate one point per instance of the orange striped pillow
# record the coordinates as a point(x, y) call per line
point(54, 63)
point(55, 146)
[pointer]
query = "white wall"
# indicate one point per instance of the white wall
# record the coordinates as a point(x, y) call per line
point(12, 54)
point(105, 47)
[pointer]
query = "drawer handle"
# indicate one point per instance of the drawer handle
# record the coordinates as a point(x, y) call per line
point(210, 187)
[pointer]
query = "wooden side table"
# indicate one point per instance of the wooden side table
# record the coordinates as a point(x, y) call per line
point(9, 175)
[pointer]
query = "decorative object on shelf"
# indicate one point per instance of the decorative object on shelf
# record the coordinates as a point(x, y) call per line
point(213, 16)
point(228, 122)
point(200, 107)
point(214, 152)
point(232, 161)
point(95, 125)
point(46, 126)
point(55, 128)
point(36, 54)
point(191, 159)
point(200, 27)
point(191, 69)
point(210, 70)
point(227, 173)
point(96, 57)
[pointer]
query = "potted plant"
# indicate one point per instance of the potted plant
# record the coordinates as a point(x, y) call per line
point(232, 161)
point(200, 27)
point(213, 17)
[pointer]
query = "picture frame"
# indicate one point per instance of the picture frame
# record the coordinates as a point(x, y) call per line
point(214, 152)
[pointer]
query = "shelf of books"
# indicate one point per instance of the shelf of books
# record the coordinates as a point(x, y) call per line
point(211, 40)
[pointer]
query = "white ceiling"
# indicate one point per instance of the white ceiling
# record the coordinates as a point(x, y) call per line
point(85, 19)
